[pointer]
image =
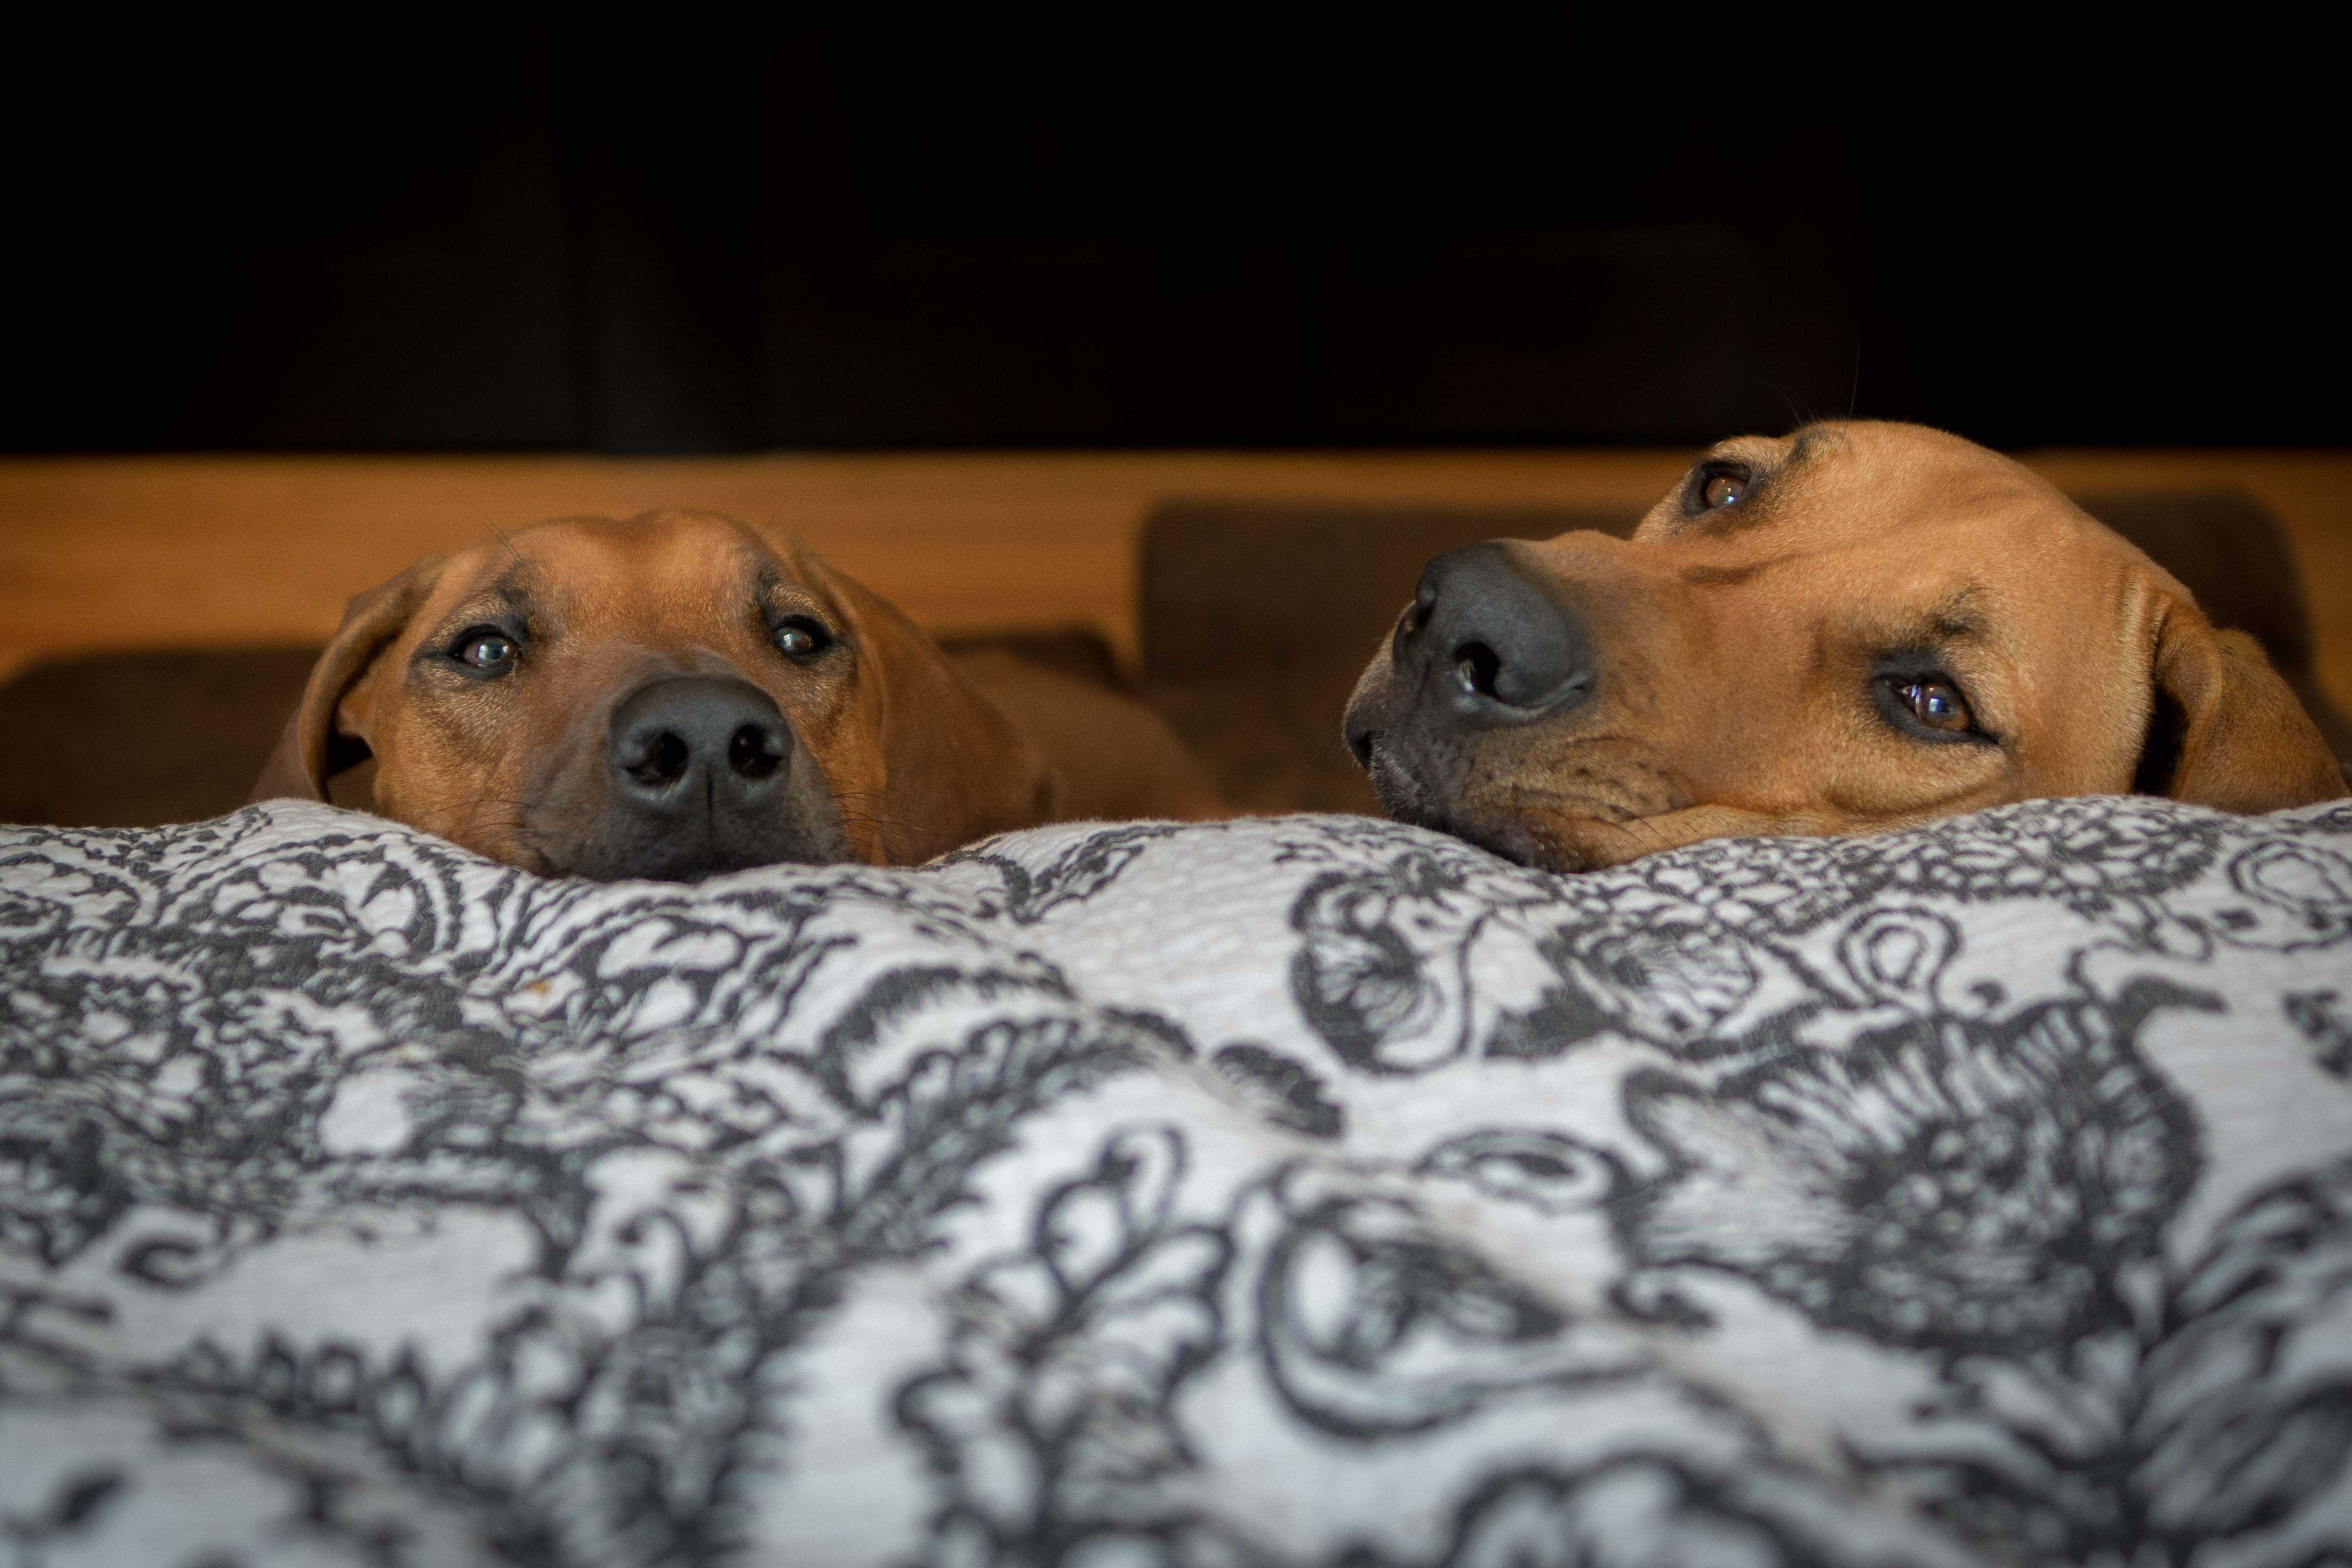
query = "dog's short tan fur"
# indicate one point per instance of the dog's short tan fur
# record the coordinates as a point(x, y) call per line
point(905, 756)
point(1739, 643)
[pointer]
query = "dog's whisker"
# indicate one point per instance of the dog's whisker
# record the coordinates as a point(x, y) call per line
point(1643, 827)
point(1798, 414)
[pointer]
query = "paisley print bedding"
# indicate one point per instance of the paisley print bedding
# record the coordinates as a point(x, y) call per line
point(1309, 1190)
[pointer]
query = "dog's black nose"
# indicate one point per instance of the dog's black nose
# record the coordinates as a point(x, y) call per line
point(696, 739)
point(1483, 642)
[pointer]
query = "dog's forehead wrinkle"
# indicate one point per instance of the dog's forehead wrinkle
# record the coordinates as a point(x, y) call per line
point(592, 572)
point(744, 563)
point(622, 561)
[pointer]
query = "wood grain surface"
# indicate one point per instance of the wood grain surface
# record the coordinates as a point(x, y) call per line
point(163, 550)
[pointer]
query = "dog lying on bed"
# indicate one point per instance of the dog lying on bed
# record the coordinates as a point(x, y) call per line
point(677, 696)
point(1857, 628)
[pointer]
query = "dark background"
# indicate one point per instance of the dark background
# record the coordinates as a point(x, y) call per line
point(744, 236)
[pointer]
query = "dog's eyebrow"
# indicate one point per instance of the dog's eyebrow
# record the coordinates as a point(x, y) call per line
point(766, 576)
point(1956, 619)
point(1939, 627)
point(513, 584)
point(778, 590)
point(1811, 441)
point(516, 589)
point(799, 588)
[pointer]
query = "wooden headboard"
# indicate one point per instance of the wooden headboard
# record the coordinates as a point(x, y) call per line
point(215, 551)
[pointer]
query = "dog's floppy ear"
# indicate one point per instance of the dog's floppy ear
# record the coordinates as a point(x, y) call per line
point(305, 757)
point(954, 768)
point(2226, 731)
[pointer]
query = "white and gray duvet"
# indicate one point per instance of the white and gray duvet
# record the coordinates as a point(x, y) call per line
point(1309, 1190)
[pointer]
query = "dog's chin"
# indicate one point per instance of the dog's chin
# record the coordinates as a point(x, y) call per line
point(1551, 833)
point(603, 854)
point(573, 828)
point(1403, 797)
point(692, 868)
point(1407, 798)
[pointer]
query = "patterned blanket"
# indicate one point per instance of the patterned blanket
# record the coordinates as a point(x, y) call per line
point(1310, 1190)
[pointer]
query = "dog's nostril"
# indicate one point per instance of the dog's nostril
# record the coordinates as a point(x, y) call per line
point(1498, 647)
point(664, 760)
point(1475, 667)
point(689, 743)
point(1417, 614)
point(751, 753)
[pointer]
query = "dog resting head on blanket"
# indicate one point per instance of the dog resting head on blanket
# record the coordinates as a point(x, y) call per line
point(1857, 628)
point(677, 695)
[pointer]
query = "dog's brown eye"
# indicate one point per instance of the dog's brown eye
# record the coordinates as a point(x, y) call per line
point(1937, 704)
point(1723, 490)
point(799, 638)
point(485, 648)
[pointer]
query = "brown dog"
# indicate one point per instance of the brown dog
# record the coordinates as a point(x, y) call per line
point(676, 695)
point(1857, 628)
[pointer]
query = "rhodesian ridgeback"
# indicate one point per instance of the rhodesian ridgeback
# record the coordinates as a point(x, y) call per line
point(678, 695)
point(1857, 628)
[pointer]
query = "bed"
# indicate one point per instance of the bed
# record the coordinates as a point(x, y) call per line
point(1291, 1190)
